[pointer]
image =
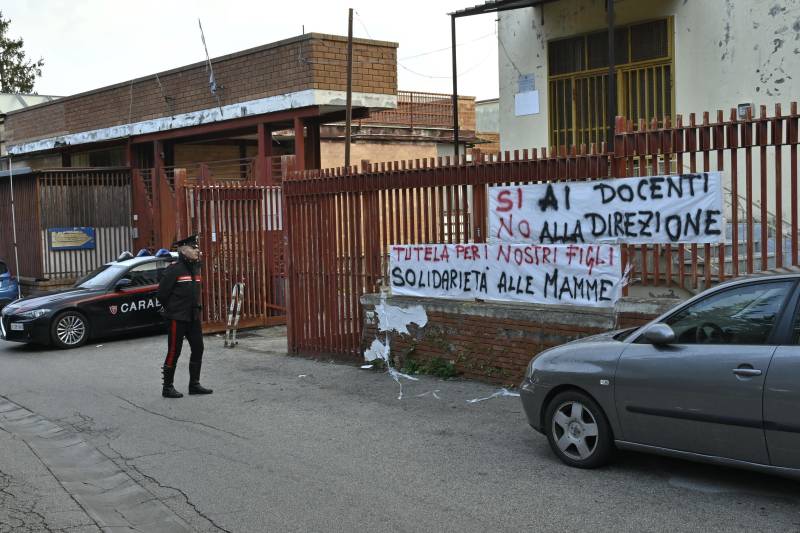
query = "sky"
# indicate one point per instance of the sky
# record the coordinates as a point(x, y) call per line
point(88, 44)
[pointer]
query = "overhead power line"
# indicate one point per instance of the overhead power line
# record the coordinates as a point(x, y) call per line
point(429, 76)
point(447, 48)
point(462, 73)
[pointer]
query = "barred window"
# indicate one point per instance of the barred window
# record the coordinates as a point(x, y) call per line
point(567, 56)
point(649, 41)
point(597, 48)
point(578, 80)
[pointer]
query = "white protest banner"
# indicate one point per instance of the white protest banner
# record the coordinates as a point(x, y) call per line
point(684, 208)
point(574, 274)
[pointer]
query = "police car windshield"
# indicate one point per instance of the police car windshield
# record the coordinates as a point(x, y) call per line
point(101, 278)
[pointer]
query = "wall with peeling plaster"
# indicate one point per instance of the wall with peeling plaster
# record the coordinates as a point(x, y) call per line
point(726, 52)
point(492, 341)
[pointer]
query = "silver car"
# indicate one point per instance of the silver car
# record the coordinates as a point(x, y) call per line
point(716, 379)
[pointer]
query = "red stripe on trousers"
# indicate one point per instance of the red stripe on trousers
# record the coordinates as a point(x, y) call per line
point(172, 334)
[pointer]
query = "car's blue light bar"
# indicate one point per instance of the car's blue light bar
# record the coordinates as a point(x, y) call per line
point(144, 252)
point(163, 252)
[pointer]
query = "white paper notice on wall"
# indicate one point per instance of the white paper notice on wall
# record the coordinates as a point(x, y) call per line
point(526, 103)
point(525, 83)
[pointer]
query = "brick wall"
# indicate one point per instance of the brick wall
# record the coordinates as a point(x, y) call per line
point(494, 342)
point(312, 61)
point(466, 113)
point(374, 65)
point(492, 144)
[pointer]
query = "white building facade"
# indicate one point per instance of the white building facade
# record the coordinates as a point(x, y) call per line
point(673, 57)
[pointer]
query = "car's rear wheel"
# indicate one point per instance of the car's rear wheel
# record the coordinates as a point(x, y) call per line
point(69, 330)
point(578, 430)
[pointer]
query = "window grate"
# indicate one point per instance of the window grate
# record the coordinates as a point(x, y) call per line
point(597, 48)
point(566, 56)
point(578, 83)
point(649, 41)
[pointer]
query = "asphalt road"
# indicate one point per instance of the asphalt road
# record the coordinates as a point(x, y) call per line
point(294, 444)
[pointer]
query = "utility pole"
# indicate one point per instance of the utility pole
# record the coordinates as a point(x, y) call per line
point(455, 89)
point(612, 77)
point(349, 116)
point(14, 225)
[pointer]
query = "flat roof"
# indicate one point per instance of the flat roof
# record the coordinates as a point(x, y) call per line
point(493, 6)
point(240, 53)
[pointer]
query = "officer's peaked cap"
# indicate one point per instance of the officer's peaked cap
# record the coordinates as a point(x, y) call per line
point(191, 240)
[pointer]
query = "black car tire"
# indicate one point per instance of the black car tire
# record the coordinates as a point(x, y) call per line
point(566, 434)
point(75, 322)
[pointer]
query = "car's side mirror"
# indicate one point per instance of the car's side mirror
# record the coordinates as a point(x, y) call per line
point(122, 283)
point(659, 334)
point(5, 276)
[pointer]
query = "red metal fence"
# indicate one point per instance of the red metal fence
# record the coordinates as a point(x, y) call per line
point(340, 222)
point(241, 232)
point(240, 226)
point(225, 170)
point(29, 241)
point(156, 217)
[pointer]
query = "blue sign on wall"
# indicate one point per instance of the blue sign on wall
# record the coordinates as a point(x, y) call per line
point(71, 238)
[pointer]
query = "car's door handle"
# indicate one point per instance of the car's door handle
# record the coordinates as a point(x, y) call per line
point(747, 372)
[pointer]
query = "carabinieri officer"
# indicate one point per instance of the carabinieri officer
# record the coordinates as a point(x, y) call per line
point(179, 293)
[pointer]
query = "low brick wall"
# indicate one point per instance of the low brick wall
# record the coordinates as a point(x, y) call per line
point(494, 342)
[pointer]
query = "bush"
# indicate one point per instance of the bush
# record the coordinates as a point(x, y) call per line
point(434, 367)
point(411, 366)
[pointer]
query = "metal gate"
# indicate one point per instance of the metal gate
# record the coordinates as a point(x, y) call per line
point(96, 198)
point(241, 236)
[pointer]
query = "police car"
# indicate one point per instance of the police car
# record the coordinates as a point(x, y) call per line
point(119, 297)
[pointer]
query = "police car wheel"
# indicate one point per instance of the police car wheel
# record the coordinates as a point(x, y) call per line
point(69, 330)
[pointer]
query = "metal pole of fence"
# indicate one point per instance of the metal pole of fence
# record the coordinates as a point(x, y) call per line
point(14, 224)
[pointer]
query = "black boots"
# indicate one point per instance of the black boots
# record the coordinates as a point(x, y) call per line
point(194, 380)
point(168, 391)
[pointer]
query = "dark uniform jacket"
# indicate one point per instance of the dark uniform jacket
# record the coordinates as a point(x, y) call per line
point(179, 291)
